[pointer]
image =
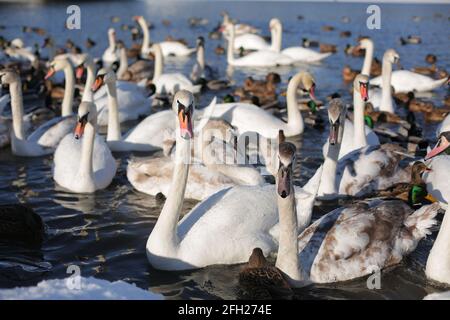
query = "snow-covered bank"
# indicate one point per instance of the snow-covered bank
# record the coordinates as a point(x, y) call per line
point(91, 289)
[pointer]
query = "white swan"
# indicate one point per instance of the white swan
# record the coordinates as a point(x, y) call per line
point(251, 41)
point(355, 241)
point(225, 227)
point(346, 243)
point(131, 99)
point(110, 55)
point(262, 58)
point(362, 171)
point(381, 99)
point(213, 172)
point(62, 62)
point(148, 135)
point(405, 81)
point(169, 83)
point(438, 180)
point(240, 28)
point(45, 138)
point(356, 133)
point(168, 48)
point(248, 117)
point(84, 164)
point(298, 54)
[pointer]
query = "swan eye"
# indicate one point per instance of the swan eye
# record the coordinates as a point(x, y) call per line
point(84, 118)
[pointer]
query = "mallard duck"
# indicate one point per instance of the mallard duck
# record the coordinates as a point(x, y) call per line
point(413, 192)
point(260, 280)
point(382, 116)
point(219, 50)
point(349, 74)
point(410, 40)
point(327, 28)
point(90, 43)
point(430, 58)
point(326, 47)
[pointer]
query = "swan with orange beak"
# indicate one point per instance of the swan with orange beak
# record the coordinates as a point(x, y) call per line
point(83, 162)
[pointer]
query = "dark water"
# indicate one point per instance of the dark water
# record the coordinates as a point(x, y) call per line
point(105, 233)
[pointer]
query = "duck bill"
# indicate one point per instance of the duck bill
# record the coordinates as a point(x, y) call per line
point(50, 73)
point(185, 124)
point(441, 146)
point(79, 129)
point(312, 92)
point(97, 84)
point(364, 92)
point(334, 131)
point(284, 182)
point(430, 198)
point(79, 72)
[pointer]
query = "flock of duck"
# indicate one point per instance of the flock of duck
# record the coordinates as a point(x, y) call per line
point(374, 155)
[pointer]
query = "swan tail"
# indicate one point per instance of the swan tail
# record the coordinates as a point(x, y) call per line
point(436, 84)
point(420, 222)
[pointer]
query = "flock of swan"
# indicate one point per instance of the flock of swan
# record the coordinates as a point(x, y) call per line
point(240, 215)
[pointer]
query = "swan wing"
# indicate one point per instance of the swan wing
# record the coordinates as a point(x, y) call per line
point(304, 54)
point(53, 131)
point(352, 242)
point(227, 226)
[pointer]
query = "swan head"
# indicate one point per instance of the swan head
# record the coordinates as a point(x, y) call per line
point(87, 113)
point(8, 76)
point(365, 43)
point(17, 43)
point(336, 115)
point(286, 158)
point(442, 146)
point(59, 63)
point(200, 42)
point(83, 59)
point(274, 23)
point(104, 76)
point(391, 56)
point(183, 105)
point(309, 84)
point(111, 33)
point(361, 85)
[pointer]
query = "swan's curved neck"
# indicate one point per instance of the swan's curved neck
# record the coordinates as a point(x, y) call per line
point(367, 65)
point(68, 91)
point(113, 133)
point(287, 258)
point(295, 119)
point(87, 92)
point(277, 36)
point(386, 91)
point(145, 36)
point(328, 184)
point(123, 63)
point(164, 234)
point(201, 57)
point(159, 63)
point(15, 89)
point(230, 49)
point(87, 150)
point(438, 263)
point(358, 120)
point(112, 41)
